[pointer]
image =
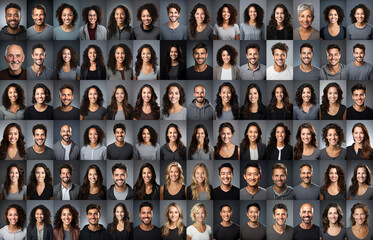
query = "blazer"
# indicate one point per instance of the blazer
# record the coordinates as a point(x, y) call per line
point(286, 153)
point(181, 72)
point(261, 152)
point(111, 115)
point(101, 73)
point(74, 192)
point(58, 233)
point(32, 234)
point(235, 72)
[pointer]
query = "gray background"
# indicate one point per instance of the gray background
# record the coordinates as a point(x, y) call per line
point(316, 6)
point(324, 4)
point(130, 172)
point(49, 137)
point(316, 52)
point(220, 43)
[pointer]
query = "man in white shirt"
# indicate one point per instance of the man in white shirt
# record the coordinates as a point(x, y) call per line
point(280, 70)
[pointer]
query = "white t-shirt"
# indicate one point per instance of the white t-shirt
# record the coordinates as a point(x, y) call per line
point(196, 235)
point(67, 150)
point(287, 74)
point(226, 74)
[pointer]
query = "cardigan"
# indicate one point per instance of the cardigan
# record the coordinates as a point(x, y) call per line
point(261, 152)
point(101, 73)
point(235, 72)
point(286, 153)
point(33, 235)
point(100, 34)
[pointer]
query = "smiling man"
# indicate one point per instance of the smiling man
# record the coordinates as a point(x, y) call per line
point(94, 230)
point(120, 190)
point(200, 108)
point(13, 30)
point(120, 149)
point(279, 190)
point(280, 231)
point(66, 190)
point(66, 111)
point(306, 230)
point(66, 149)
point(200, 70)
point(226, 191)
point(333, 70)
point(40, 30)
point(359, 69)
point(359, 110)
point(252, 175)
point(253, 70)
point(173, 30)
point(306, 190)
point(226, 229)
point(14, 57)
point(38, 71)
point(306, 70)
point(280, 70)
point(146, 230)
point(253, 229)
point(39, 151)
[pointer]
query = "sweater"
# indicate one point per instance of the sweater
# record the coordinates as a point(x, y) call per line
point(5, 234)
point(110, 193)
point(5, 35)
point(100, 34)
point(59, 151)
point(203, 113)
point(87, 234)
point(98, 153)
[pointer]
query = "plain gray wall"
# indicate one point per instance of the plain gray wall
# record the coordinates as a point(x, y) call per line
point(316, 52)
point(289, 58)
point(316, 6)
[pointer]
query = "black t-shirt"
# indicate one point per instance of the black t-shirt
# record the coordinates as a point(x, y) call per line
point(45, 195)
point(120, 153)
point(352, 114)
point(173, 234)
point(306, 234)
point(154, 234)
point(32, 114)
point(205, 75)
point(233, 194)
point(58, 114)
point(226, 233)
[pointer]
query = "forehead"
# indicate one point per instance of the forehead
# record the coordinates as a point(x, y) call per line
point(306, 49)
point(146, 209)
point(225, 169)
point(65, 170)
point(280, 210)
point(65, 127)
point(252, 169)
point(305, 168)
point(278, 171)
point(333, 50)
point(199, 89)
point(14, 49)
point(253, 208)
point(12, 10)
point(93, 210)
point(119, 170)
point(200, 50)
point(279, 51)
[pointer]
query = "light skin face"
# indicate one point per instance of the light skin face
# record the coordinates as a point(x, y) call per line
point(333, 175)
point(172, 134)
point(361, 175)
point(279, 94)
point(146, 135)
point(358, 135)
point(174, 173)
point(332, 137)
point(305, 18)
point(38, 16)
point(92, 17)
point(359, 55)
point(200, 175)
point(173, 15)
point(120, 16)
point(40, 174)
point(200, 135)
point(253, 214)
point(359, 216)
point(226, 176)
point(13, 135)
point(252, 176)
point(12, 216)
point(174, 95)
point(306, 55)
point(280, 216)
point(359, 97)
point(226, 14)
point(333, 16)
point(226, 214)
point(92, 54)
point(15, 58)
point(280, 134)
point(200, 215)
point(146, 18)
point(147, 175)
point(13, 95)
point(306, 213)
point(120, 177)
point(252, 13)
point(66, 133)
point(252, 56)
point(305, 136)
point(359, 15)
point(252, 133)
point(119, 135)
point(200, 16)
point(333, 215)
point(39, 56)
point(93, 216)
point(306, 95)
point(65, 175)
point(93, 135)
point(199, 94)
point(39, 137)
point(146, 55)
point(66, 217)
point(332, 95)
point(119, 213)
point(279, 15)
point(173, 214)
point(225, 94)
point(334, 56)
point(306, 175)
point(66, 55)
point(67, 16)
point(279, 56)
point(13, 18)
point(279, 177)
point(253, 95)
point(92, 95)
point(146, 94)
point(39, 216)
point(174, 53)
point(120, 55)
point(14, 174)
point(226, 135)
point(66, 96)
point(225, 57)
point(39, 95)
point(200, 56)
point(146, 215)
point(119, 95)
point(92, 176)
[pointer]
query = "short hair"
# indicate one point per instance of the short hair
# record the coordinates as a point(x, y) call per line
point(194, 210)
point(40, 7)
point(308, 45)
point(358, 86)
point(331, 46)
point(306, 165)
point(120, 166)
point(305, 6)
point(281, 46)
point(254, 165)
point(339, 11)
point(13, 5)
point(119, 125)
point(199, 85)
point(66, 165)
point(225, 205)
point(358, 45)
point(227, 165)
point(253, 205)
point(39, 126)
point(252, 45)
point(146, 204)
point(173, 5)
point(38, 45)
point(7, 48)
point(279, 206)
point(68, 86)
point(280, 166)
point(366, 13)
point(200, 45)
point(93, 206)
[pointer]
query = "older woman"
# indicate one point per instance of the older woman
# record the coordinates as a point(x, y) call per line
point(306, 17)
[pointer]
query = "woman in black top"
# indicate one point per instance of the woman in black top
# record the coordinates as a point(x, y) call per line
point(279, 107)
point(253, 108)
point(174, 228)
point(41, 95)
point(279, 147)
point(119, 108)
point(361, 149)
point(40, 218)
point(146, 187)
point(146, 107)
point(93, 67)
point(121, 227)
point(40, 183)
point(280, 27)
point(174, 68)
point(174, 189)
point(91, 107)
point(174, 148)
point(334, 183)
point(225, 149)
point(251, 146)
point(331, 107)
point(333, 16)
point(93, 188)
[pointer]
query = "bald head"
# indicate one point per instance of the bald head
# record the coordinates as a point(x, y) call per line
point(306, 213)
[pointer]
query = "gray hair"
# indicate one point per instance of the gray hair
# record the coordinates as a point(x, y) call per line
point(305, 6)
point(6, 49)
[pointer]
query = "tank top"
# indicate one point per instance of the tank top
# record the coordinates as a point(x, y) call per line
point(233, 157)
point(178, 196)
point(338, 116)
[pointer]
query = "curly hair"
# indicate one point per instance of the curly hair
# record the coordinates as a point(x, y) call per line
point(75, 219)
point(298, 95)
point(152, 9)
point(286, 100)
point(168, 169)
point(95, 8)
point(179, 143)
point(166, 103)
point(366, 150)
point(232, 52)
point(194, 184)
point(74, 62)
point(179, 56)
point(273, 23)
point(366, 13)
point(324, 99)
point(260, 15)
point(33, 182)
point(21, 215)
point(354, 183)
point(140, 185)
point(99, 59)
point(325, 220)
point(245, 143)
point(20, 98)
point(341, 179)
point(5, 141)
point(338, 129)
point(298, 148)
point(84, 189)
point(127, 107)
point(153, 59)
point(232, 10)
point(60, 9)
point(126, 218)
point(219, 142)
point(140, 102)
point(233, 101)
point(245, 108)
point(179, 223)
point(192, 19)
point(100, 133)
point(366, 212)
point(46, 213)
point(112, 62)
point(153, 135)
point(112, 25)
point(194, 142)
point(21, 178)
point(47, 93)
point(339, 11)
point(272, 142)
point(84, 107)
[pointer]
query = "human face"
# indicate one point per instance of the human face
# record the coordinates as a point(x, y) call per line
point(359, 97)
point(200, 215)
point(306, 174)
point(359, 15)
point(65, 175)
point(359, 55)
point(12, 216)
point(12, 94)
point(146, 215)
point(93, 216)
point(13, 135)
point(200, 175)
point(199, 94)
point(306, 213)
point(333, 215)
point(361, 175)
point(119, 135)
point(66, 217)
point(146, 94)
point(200, 135)
point(279, 94)
point(92, 95)
point(359, 216)
point(306, 94)
point(66, 133)
point(147, 175)
point(67, 16)
point(120, 55)
point(120, 16)
point(40, 174)
point(252, 133)
point(146, 55)
point(225, 57)
point(279, 56)
point(174, 95)
point(200, 16)
point(146, 135)
point(38, 55)
point(305, 136)
point(226, 135)
point(253, 214)
point(306, 55)
point(39, 216)
point(39, 95)
point(39, 16)
point(66, 55)
point(358, 135)
point(172, 134)
point(119, 95)
point(305, 18)
point(173, 14)
point(13, 18)
point(39, 137)
point(226, 176)
point(92, 176)
point(332, 95)
point(279, 177)
point(226, 214)
point(333, 16)
point(146, 18)
point(280, 134)
point(225, 94)
point(14, 174)
point(226, 14)
point(93, 135)
point(15, 57)
point(252, 13)
point(252, 176)
point(119, 213)
point(252, 56)
point(200, 56)
point(174, 53)
point(66, 96)
point(333, 56)
point(253, 95)
point(92, 54)
point(92, 17)
point(333, 175)
point(173, 214)
point(279, 15)
point(174, 173)
point(332, 137)
point(280, 216)
point(119, 177)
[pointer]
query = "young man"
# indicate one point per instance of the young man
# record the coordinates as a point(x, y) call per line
point(359, 111)
point(253, 229)
point(173, 30)
point(200, 70)
point(66, 190)
point(226, 191)
point(306, 230)
point(252, 175)
point(253, 70)
point(94, 230)
point(39, 151)
point(306, 70)
point(359, 69)
point(40, 30)
point(279, 190)
point(280, 70)
point(120, 190)
point(66, 149)
point(280, 231)
point(13, 30)
point(306, 190)
point(200, 108)
point(120, 149)
point(226, 229)
point(146, 230)
point(14, 57)
point(333, 70)
point(66, 111)
point(38, 71)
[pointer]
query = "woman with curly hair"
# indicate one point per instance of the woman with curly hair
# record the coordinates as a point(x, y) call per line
point(173, 228)
point(173, 100)
point(119, 24)
point(251, 145)
point(40, 183)
point(15, 218)
point(146, 107)
point(174, 67)
point(13, 100)
point(93, 66)
point(121, 227)
point(41, 95)
point(40, 219)
point(147, 146)
point(146, 66)
point(226, 27)
point(359, 223)
point(146, 187)
point(200, 188)
point(226, 103)
point(360, 29)
point(333, 16)
point(91, 107)
point(360, 188)
point(306, 146)
point(93, 188)
point(174, 189)
point(94, 148)
point(225, 149)
point(253, 107)
point(147, 14)
point(66, 16)
point(93, 29)
point(119, 108)
point(331, 107)
point(306, 107)
point(199, 23)
point(66, 221)
point(14, 187)
point(118, 63)
point(306, 15)
point(334, 137)
point(199, 147)
point(279, 147)
point(360, 149)
point(12, 146)
point(280, 27)
point(226, 57)
point(252, 27)
point(67, 64)
point(332, 220)
point(279, 107)
point(174, 148)
point(334, 187)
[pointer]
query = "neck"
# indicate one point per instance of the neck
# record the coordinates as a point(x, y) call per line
point(37, 68)
point(253, 224)
point(226, 188)
point(119, 66)
point(306, 225)
point(66, 227)
point(146, 227)
point(334, 69)
point(200, 68)
point(279, 68)
point(39, 149)
point(13, 31)
point(359, 64)
point(92, 26)
point(253, 66)
point(306, 67)
point(120, 189)
point(279, 228)
point(12, 227)
point(252, 189)
point(15, 72)
point(200, 105)
point(280, 144)
point(226, 223)
point(279, 189)
point(65, 185)
point(39, 28)
point(306, 185)
point(94, 227)
point(65, 143)
point(359, 108)
point(93, 145)
point(119, 144)
point(66, 108)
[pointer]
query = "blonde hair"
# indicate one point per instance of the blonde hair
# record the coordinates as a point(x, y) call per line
point(179, 223)
point(206, 183)
point(168, 169)
point(194, 210)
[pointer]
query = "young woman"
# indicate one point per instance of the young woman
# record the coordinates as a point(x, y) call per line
point(91, 107)
point(93, 188)
point(279, 107)
point(331, 107)
point(146, 187)
point(146, 107)
point(67, 64)
point(226, 103)
point(226, 57)
point(15, 219)
point(93, 66)
point(360, 188)
point(306, 15)
point(119, 108)
point(334, 187)
point(226, 27)
point(66, 16)
point(174, 148)
point(40, 223)
point(199, 147)
point(333, 16)
point(253, 28)
point(225, 149)
point(280, 27)
point(306, 108)
point(333, 136)
point(118, 63)
point(253, 108)
point(360, 223)
point(41, 95)
point(13, 107)
point(147, 146)
point(147, 14)
point(93, 148)
point(119, 24)
point(360, 29)
point(40, 183)
point(279, 147)
point(200, 189)
point(306, 146)
point(199, 230)
point(172, 102)
point(14, 187)
point(174, 189)
point(199, 23)
point(12, 146)
point(146, 66)
point(332, 220)
point(360, 149)
point(174, 67)
point(121, 227)
point(251, 145)
point(92, 29)
point(66, 221)
point(174, 228)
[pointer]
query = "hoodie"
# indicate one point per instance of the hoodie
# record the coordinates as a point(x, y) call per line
point(325, 74)
point(5, 35)
point(110, 193)
point(87, 234)
point(285, 195)
point(98, 153)
point(196, 113)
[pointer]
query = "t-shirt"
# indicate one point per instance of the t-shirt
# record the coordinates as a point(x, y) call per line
point(153, 75)
point(99, 114)
point(287, 74)
point(226, 34)
point(364, 72)
point(306, 234)
point(59, 34)
point(261, 194)
point(14, 196)
point(249, 233)
point(120, 153)
point(58, 114)
point(314, 74)
point(311, 193)
point(196, 235)
point(354, 33)
point(179, 33)
point(232, 194)
point(226, 233)
point(46, 155)
point(205, 75)
point(286, 235)
point(70, 75)
point(46, 34)
point(258, 74)
point(120, 195)
point(352, 114)
point(46, 74)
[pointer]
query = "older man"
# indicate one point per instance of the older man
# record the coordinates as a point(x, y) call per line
point(14, 57)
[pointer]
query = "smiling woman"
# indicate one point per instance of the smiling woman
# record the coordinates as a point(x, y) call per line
point(15, 217)
point(41, 95)
point(13, 100)
point(147, 14)
point(66, 16)
point(173, 101)
point(66, 221)
point(40, 219)
point(93, 30)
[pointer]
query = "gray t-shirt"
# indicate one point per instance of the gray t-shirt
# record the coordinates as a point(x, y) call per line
point(247, 32)
point(66, 235)
point(46, 155)
point(46, 74)
point(146, 152)
point(354, 72)
point(46, 34)
point(249, 233)
point(120, 153)
point(14, 196)
point(314, 156)
point(59, 34)
point(315, 35)
point(314, 74)
point(258, 74)
point(299, 114)
point(141, 34)
point(179, 33)
point(121, 195)
point(339, 236)
point(226, 34)
point(325, 156)
point(202, 155)
point(71, 75)
point(368, 195)
point(286, 235)
point(261, 194)
point(354, 33)
point(151, 76)
point(351, 236)
point(182, 115)
point(98, 115)
point(225, 115)
point(206, 34)
point(311, 193)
